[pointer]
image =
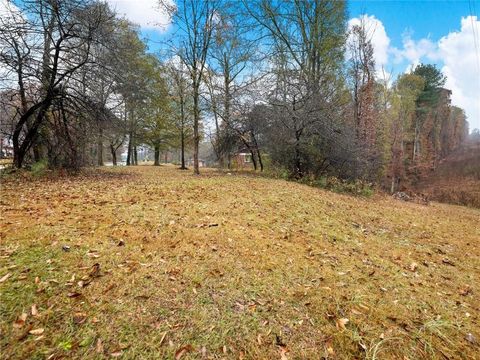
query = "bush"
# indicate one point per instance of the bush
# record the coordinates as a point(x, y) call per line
point(332, 183)
point(39, 168)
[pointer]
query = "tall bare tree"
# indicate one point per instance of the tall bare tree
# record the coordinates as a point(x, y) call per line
point(195, 20)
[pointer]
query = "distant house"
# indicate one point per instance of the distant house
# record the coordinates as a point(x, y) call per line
point(6, 148)
point(201, 163)
point(242, 159)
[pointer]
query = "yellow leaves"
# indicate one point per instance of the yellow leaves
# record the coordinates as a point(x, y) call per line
point(341, 323)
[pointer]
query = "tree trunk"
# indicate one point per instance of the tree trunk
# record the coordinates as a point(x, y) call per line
point(20, 150)
point(100, 147)
point(196, 135)
point(183, 167)
point(36, 153)
point(297, 161)
point(114, 155)
point(129, 150)
point(260, 162)
point(392, 187)
point(135, 155)
point(254, 161)
point(157, 156)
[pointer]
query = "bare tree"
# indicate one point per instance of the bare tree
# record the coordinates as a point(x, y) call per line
point(195, 21)
point(50, 45)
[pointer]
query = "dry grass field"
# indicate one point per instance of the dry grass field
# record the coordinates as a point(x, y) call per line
point(152, 262)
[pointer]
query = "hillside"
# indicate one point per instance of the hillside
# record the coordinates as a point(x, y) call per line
point(457, 178)
point(151, 262)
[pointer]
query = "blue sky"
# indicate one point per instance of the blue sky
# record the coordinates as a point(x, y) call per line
point(432, 19)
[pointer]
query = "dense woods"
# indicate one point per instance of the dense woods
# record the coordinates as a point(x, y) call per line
point(287, 83)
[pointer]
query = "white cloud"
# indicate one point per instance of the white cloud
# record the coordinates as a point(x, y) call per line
point(461, 62)
point(146, 13)
point(414, 51)
point(377, 35)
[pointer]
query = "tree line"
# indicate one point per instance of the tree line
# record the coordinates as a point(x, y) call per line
point(287, 81)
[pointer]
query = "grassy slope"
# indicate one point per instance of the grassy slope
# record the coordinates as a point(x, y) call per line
point(284, 265)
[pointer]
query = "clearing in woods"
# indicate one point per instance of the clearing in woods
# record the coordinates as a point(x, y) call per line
point(151, 262)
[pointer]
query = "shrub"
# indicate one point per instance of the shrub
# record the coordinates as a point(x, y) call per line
point(39, 168)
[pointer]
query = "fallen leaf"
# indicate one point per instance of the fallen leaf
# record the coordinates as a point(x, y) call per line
point(413, 266)
point(121, 243)
point(20, 321)
point(470, 338)
point(283, 353)
point(24, 333)
point(116, 353)
point(163, 338)
point(38, 331)
point(73, 294)
point(447, 261)
point(79, 318)
point(182, 351)
point(341, 323)
point(5, 277)
point(95, 272)
point(34, 310)
point(466, 290)
point(99, 346)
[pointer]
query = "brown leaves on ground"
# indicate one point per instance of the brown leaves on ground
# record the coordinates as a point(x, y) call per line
point(239, 265)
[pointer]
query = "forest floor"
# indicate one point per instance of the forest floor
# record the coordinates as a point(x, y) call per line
point(151, 262)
